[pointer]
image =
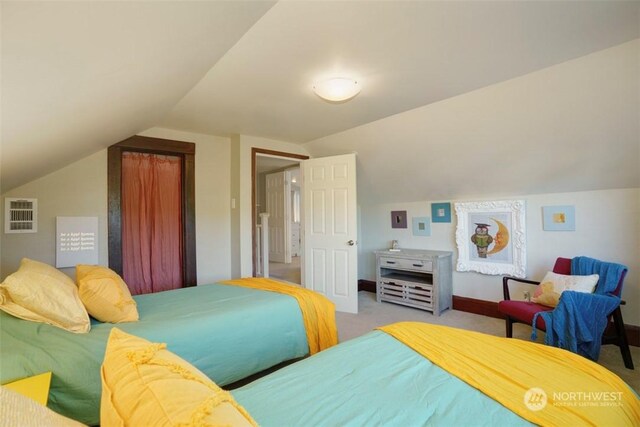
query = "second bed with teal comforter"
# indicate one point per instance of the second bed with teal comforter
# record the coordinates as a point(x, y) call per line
point(227, 332)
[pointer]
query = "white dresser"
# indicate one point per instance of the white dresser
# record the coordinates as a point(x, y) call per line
point(416, 278)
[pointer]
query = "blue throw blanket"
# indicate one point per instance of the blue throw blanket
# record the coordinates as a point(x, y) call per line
point(609, 272)
point(579, 320)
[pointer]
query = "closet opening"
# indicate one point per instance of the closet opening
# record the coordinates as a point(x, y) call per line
point(151, 197)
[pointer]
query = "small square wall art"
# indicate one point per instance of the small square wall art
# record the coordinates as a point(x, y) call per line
point(398, 219)
point(422, 226)
point(559, 218)
point(441, 212)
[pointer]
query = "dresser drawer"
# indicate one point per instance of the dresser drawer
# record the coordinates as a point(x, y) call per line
point(406, 264)
point(406, 292)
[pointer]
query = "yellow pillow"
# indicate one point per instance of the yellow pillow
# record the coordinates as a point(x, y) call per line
point(42, 293)
point(145, 384)
point(553, 285)
point(105, 295)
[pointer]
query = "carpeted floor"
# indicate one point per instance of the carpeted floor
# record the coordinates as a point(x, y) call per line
point(372, 314)
point(287, 272)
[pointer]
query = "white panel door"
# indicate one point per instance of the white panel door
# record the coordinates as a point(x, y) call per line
point(330, 253)
point(278, 207)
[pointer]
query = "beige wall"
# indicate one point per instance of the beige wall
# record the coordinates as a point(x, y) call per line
point(213, 217)
point(246, 144)
point(607, 228)
point(223, 233)
point(79, 189)
point(235, 211)
point(523, 138)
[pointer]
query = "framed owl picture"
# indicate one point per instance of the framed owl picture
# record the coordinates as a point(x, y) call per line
point(491, 237)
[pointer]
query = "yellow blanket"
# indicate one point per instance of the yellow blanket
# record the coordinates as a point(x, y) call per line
point(544, 385)
point(318, 312)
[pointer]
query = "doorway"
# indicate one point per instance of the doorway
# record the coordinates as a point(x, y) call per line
point(165, 151)
point(276, 191)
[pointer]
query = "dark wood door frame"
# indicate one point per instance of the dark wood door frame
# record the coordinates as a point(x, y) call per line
point(254, 154)
point(142, 144)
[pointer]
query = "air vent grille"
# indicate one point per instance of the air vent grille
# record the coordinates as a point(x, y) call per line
point(21, 215)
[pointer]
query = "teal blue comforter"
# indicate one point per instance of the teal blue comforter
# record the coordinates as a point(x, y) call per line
point(227, 332)
point(373, 380)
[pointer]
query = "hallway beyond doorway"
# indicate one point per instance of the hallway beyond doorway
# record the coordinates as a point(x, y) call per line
point(288, 272)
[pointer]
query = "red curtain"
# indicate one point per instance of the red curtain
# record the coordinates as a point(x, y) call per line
point(151, 222)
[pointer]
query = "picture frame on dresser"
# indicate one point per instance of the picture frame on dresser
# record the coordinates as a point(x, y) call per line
point(490, 237)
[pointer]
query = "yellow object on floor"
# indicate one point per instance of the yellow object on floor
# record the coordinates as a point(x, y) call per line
point(36, 387)
point(545, 385)
point(318, 313)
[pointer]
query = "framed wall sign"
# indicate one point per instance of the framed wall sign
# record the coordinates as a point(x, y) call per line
point(398, 219)
point(422, 226)
point(491, 237)
point(76, 240)
point(559, 218)
point(441, 212)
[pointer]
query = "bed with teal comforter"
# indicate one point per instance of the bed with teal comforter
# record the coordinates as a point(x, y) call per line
point(227, 332)
point(418, 374)
point(372, 380)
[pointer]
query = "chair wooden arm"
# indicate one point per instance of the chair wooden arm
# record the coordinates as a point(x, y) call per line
point(505, 284)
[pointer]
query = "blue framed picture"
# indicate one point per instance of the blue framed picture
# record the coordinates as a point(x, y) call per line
point(441, 212)
point(422, 226)
point(559, 218)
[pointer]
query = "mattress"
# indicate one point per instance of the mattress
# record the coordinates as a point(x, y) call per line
point(227, 332)
point(370, 380)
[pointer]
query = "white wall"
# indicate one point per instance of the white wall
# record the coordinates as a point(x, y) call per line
point(563, 129)
point(235, 211)
point(571, 127)
point(79, 189)
point(213, 216)
point(607, 228)
point(246, 144)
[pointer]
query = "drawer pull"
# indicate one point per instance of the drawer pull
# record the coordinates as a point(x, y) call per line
point(391, 262)
point(417, 265)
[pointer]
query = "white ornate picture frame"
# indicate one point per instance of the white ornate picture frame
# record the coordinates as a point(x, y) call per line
point(491, 237)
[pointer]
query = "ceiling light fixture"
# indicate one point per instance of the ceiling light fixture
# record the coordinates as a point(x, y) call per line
point(338, 89)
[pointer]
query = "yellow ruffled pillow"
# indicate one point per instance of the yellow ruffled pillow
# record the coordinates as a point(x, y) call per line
point(145, 384)
point(105, 295)
point(42, 293)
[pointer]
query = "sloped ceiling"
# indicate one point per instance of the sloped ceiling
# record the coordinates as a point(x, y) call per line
point(404, 55)
point(80, 76)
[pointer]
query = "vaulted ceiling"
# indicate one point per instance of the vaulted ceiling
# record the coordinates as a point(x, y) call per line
point(80, 76)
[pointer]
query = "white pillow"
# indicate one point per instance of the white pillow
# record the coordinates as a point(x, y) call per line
point(549, 290)
point(18, 410)
point(41, 293)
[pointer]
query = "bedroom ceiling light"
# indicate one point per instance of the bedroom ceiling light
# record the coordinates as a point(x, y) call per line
point(338, 89)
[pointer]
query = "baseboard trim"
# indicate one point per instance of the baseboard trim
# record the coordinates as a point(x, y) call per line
point(490, 309)
point(367, 285)
point(477, 306)
point(633, 334)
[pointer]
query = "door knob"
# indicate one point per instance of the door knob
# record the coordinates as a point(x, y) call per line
point(351, 243)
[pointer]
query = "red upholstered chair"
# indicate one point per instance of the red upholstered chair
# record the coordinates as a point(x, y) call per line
point(523, 312)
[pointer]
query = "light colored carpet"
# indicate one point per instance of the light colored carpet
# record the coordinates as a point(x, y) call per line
point(287, 272)
point(373, 314)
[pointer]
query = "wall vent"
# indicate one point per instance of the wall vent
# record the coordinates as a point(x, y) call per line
point(20, 215)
